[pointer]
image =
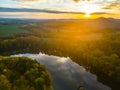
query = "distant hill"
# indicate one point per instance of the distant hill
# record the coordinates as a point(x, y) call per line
point(99, 23)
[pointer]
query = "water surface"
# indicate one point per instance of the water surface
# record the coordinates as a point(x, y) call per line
point(66, 74)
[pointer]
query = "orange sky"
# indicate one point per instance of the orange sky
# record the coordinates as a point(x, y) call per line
point(90, 8)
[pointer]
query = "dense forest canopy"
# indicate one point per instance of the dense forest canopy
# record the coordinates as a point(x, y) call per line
point(94, 46)
point(22, 73)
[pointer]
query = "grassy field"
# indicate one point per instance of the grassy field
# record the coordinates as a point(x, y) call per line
point(10, 29)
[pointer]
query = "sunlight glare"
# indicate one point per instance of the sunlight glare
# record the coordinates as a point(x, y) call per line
point(87, 15)
point(89, 8)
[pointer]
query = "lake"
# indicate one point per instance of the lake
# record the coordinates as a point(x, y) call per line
point(66, 74)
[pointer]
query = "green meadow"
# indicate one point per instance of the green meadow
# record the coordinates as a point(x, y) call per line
point(10, 29)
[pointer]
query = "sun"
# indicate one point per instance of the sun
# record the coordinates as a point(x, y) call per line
point(87, 15)
point(89, 8)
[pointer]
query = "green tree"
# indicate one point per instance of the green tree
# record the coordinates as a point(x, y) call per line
point(4, 83)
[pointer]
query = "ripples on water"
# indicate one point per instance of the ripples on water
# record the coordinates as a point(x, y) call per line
point(66, 74)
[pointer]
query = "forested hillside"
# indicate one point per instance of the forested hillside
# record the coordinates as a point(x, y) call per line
point(95, 48)
point(21, 73)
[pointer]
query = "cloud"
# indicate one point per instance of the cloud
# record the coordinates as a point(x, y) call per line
point(109, 4)
point(26, 0)
point(37, 10)
point(99, 13)
point(76, 0)
point(45, 11)
point(81, 0)
point(112, 6)
point(47, 0)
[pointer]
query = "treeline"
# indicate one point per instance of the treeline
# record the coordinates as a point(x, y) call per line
point(21, 73)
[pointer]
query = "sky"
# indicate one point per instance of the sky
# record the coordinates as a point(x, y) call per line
point(57, 9)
